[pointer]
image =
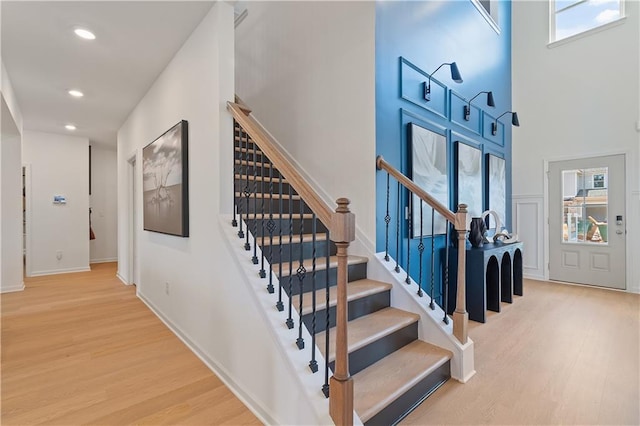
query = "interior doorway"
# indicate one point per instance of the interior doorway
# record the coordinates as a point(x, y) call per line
point(26, 219)
point(587, 224)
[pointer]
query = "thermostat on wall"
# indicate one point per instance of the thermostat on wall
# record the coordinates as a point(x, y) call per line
point(59, 199)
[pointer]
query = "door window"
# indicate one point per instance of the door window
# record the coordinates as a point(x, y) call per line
point(585, 205)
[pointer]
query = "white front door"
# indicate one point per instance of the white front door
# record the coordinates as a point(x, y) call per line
point(587, 229)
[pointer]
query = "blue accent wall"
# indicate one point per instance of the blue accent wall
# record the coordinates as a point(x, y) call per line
point(412, 39)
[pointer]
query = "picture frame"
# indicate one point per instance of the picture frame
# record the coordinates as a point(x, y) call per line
point(469, 185)
point(165, 168)
point(496, 179)
point(429, 170)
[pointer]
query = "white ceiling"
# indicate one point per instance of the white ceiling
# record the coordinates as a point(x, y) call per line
point(44, 59)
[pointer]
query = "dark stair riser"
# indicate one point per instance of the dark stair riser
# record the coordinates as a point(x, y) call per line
point(284, 223)
point(294, 249)
point(375, 351)
point(255, 205)
point(250, 155)
point(356, 272)
point(357, 308)
point(260, 186)
point(247, 169)
point(407, 402)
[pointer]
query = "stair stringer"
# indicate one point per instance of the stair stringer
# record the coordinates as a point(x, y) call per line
point(431, 328)
point(307, 385)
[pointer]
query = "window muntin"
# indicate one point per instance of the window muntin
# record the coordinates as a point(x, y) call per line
point(572, 17)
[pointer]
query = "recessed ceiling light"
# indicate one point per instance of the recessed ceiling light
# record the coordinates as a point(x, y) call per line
point(86, 34)
point(70, 127)
point(76, 93)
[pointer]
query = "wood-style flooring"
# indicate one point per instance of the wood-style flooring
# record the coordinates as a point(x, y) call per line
point(83, 349)
point(561, 354)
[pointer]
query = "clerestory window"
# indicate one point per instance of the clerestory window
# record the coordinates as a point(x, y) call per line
point(572, 17)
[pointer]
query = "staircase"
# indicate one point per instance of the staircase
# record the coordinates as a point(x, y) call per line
point(392, 370)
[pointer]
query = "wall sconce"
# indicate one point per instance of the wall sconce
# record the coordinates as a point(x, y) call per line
point(514, 121)
point(455, 76)
point(467, 107)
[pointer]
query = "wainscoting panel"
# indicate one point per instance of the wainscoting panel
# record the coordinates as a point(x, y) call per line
point(528, 223)
point(412, 83)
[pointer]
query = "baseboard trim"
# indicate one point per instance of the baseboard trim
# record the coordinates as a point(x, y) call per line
point(467, 377)
point(105, 260)
point(536, 277)
point(118, 276)
point(60, 271)
point(218, 370)
point(13, 289)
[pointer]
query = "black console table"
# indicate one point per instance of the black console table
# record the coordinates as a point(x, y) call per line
point(493, 274)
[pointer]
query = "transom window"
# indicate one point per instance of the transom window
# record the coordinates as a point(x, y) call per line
point(573, 17)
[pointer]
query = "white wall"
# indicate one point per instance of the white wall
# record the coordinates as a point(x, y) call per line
point(577, 99)
point(208, 302)
point(307, 69)
point(11, 200)
point(104, 202)
point(10, 188)
point(59, 165)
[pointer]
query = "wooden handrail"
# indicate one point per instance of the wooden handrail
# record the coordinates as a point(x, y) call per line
point(269, 147)
point(411, 186)
point(342, 231)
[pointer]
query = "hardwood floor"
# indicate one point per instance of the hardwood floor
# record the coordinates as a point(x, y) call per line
point(561, 354)
point(82, 349)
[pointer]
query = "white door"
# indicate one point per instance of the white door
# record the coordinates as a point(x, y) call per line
point(587, 229)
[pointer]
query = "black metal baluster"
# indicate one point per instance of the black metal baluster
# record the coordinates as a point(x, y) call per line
point(432, 304)
point(247, 191)
point(301, 272)
point(420, 251)
point(445, 302)
point(399, 213)
point(263, 273)
point(290, 319)
point(254, 259)
point(409, 231)
point(239, 193)
point(313, 364)
point(387, 220)
point(279, 304)
point(325, 386)
point(270, 227)
point(236, 132)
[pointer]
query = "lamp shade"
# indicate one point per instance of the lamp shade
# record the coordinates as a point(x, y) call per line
point(490, 101)
point(514, 119)
point(455, 73)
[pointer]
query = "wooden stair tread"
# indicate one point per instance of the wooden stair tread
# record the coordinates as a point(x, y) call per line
point(251, 163)
point(306, 238)
point(273, 196)
point(355, 290)
point(321, 264)
point(250, 150)
point(244, 177)
point(275, 216)
point(381, 383)
point(367, 329)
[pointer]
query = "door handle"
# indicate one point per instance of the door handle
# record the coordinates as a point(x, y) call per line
point(619, 231)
